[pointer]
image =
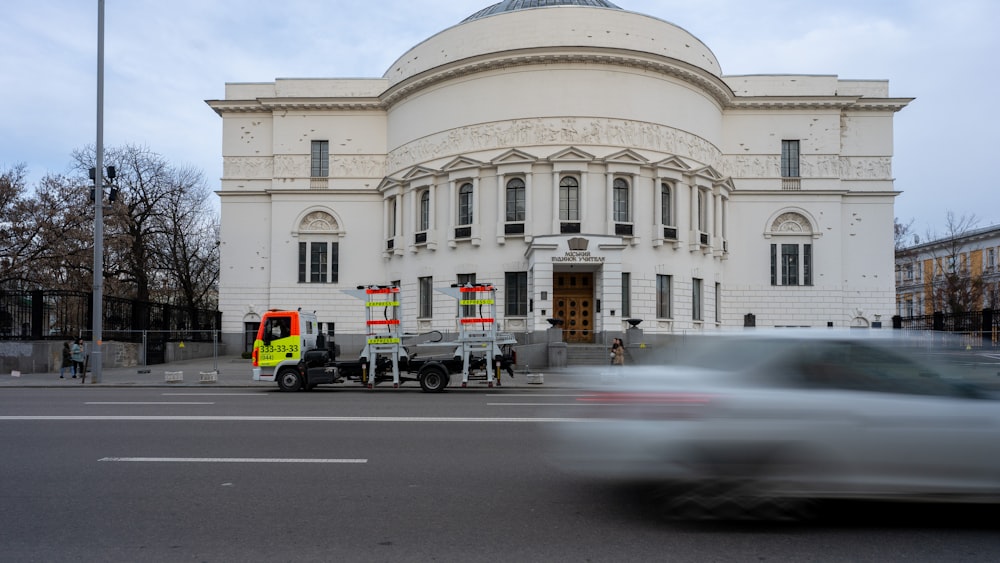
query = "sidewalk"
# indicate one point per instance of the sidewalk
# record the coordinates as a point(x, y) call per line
point(224, 371)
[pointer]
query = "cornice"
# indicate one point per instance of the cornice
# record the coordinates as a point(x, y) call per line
point(710, 83)
point(855, 103)
point(270, 105)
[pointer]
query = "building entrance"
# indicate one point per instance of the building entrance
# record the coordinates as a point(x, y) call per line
point(573, 294)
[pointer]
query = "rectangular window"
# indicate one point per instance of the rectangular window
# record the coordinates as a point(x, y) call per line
point(697, 299)
point(425, 210)
point(663, 297)
point(467, 279)
point(620, 201)
point(515, 200)
point(718, 302)
point(319, 262)
point(626, 295)
point(320, 159)
point(516, 294)
point(426, 289)
point(807, 266)
point(465, 205)
point(786, 264)
point(789, 159)
point(789, 264)
point(303, 261)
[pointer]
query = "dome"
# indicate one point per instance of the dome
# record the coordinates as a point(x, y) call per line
point(519, 29)
point(514, 5)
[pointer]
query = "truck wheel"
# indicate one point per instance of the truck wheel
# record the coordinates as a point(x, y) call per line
point(289, 380)
point(434, 380)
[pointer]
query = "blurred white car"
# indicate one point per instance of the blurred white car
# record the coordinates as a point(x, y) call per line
point(789, 417)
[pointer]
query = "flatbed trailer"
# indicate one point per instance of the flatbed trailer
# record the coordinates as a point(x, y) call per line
point(433, 373)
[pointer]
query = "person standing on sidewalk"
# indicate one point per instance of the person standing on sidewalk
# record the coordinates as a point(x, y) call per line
point(76, 354)
point(67, 360)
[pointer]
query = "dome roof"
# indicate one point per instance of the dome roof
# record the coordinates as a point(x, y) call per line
point(514, 5)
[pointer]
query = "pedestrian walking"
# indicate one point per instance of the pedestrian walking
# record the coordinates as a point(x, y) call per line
point(76, 355)
point(67, 360)
point(618, 352)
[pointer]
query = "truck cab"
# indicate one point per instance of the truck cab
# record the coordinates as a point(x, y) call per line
point(282, 339)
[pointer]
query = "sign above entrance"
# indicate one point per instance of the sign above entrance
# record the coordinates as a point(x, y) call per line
point(578, 252)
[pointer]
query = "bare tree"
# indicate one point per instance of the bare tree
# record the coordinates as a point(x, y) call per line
point(45, 236)
point(160, 234)
point(902, 234)
point(957, 288)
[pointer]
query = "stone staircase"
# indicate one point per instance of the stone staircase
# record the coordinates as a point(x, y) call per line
point(588, 355)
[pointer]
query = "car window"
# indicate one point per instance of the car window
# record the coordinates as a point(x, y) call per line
point(858, 366)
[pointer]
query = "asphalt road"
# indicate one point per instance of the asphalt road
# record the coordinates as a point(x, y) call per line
point(158, 474)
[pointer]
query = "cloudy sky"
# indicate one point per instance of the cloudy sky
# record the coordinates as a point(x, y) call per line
point(163, 59)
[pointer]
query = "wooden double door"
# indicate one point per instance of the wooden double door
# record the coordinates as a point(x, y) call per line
point(573, 294)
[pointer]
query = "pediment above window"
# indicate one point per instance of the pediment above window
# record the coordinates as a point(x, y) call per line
point(627, 156)
point(461, 163)
point(571, 154)
point(514, 156)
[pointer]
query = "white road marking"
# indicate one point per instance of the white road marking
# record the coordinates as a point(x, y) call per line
point(283, 418)
point(227, 460)
point(535, 394)
point(147, 403)
point(536, 404)
point(214, 395)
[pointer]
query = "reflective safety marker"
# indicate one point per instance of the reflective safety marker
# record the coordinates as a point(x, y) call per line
point(476, 302)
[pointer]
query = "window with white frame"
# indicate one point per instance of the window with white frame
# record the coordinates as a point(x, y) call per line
point(425, 287)
point(569, 199)
point(697, 299)
point(620, 199)
point(718, 302)
point(515, 200)
point(790, 159)
point(465, 201)
point(791, 264)
point(626, 294)
point(320, 159)
point(702, 211)
point(516, 294)
point(319, 252)
point(792, 251)
point(666, 204)
point(664, 297)
point(319, 262)
point(424, 221)
point(462, 280)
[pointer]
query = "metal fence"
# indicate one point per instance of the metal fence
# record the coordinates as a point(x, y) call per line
point(62, 315)
point(978, 328)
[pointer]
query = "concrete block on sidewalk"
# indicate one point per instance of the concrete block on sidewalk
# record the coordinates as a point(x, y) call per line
point(174, 376)
point(209, 377)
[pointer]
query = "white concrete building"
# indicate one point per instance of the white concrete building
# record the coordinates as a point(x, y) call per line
point(594, 163)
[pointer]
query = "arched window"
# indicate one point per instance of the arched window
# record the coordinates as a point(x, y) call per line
point(465, 204)
point(666, 204)
point(425, 210)
point(319, 251)
point(515, 200)
point(569, 199)
point(792, 256)
point(620, 198)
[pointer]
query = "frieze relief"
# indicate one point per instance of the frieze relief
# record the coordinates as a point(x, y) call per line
point(822, 166)
point(358, 166)
point(566, 131)
point(291, 165)
point(247, 167)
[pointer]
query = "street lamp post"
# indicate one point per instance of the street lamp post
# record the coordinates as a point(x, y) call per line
point(96, 357)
